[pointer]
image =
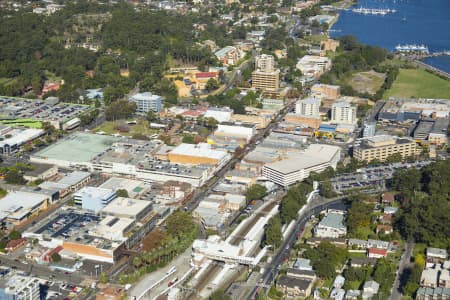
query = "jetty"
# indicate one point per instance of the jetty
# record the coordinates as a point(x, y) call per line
point(373, 11)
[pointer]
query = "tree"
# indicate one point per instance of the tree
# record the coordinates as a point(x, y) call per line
point(137, 262)
point(412, 275)
point(151, 116)
point(122, 193)
point(384, 274)
point(112, 94)
point(104, 278)
point(273, 235)
point(326, 258)
point(180, 223)
point(15, 235)
point(359, 215)
point(56, 257)
point(13, 176)
point(188, 139)
point(212, 84)
point(326, 190)
point(120, 109)
point(255, 192)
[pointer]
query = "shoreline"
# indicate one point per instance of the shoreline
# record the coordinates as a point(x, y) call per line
point(347, 4)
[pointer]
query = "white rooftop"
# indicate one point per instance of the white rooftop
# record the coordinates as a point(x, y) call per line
point(19, 137)
point(16, 205)
point(94, 192)
point(145, 96)
point(199, 150)
point(133, 187)
point(314, 155)
point(112, 228)
point(126, 206)
point(74, 178)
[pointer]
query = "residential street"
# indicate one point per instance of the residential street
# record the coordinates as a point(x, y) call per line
point(403, 264)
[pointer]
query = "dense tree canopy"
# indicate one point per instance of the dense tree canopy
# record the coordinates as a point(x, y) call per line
point(255, 192)
point(424, 199)
point(294, 200)
point(326, 258)
point(273, 235)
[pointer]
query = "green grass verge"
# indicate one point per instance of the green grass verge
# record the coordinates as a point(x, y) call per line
point(418, 83)
point(30, 123)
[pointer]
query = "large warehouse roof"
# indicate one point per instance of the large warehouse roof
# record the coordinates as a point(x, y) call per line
point(315, 154)
point(78, 147)
point(199, 150)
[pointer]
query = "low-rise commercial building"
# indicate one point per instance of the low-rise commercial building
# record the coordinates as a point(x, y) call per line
point(381, 147)
point(237, 130)
point(220, 114)
point(17, 207)
point(314, 66)
point(329, 91)
point(12, 138)
point(40, 172)
point(93, 198)
point(18, 287)
point(127, 208)
point(196, 154)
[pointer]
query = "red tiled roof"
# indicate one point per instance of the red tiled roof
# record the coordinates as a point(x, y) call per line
point(377, 251)
point(205, 75)
point(388, 197)
point(13, 244)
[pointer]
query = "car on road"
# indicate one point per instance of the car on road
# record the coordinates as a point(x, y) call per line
point(172, 282)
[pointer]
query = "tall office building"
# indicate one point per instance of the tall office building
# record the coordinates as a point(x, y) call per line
point(308, 107)
point(343, 112)
point(265, 63)
point(265, 76)
point(146, 102)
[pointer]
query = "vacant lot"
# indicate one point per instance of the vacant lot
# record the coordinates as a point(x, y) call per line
point(123, 128)
point(367, 82)
point(418, 83)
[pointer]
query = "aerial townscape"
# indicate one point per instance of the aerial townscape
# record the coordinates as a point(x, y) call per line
point(224, 150)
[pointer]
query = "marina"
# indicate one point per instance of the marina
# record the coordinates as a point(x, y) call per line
point(404, 28)
point(373, 11)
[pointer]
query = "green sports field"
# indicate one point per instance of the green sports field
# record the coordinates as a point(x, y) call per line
point(418, 83)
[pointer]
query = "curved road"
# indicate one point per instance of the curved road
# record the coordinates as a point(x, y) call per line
point(272, 268)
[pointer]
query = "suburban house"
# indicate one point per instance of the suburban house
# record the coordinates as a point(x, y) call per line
point(331, 226)
point(376, 253)
point(294, 287)
point(370, 289)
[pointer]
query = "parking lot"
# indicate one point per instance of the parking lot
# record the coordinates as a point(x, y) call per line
point(39, 109)
point(371, 177)
point(67, 224)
